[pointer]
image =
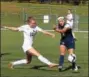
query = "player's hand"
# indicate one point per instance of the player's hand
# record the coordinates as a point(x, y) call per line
point(4, 27)
point(54, 27)
point(53, 35)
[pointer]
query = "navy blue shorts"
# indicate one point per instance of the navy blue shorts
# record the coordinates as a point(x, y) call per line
point(69, 43)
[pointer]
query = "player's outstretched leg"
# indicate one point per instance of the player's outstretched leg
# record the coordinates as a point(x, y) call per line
point(41, 58)
point(23, 61)
point(19, 62)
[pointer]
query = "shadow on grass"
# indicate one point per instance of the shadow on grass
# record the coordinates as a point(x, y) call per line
point(70, 67)
point(67, 68)
point(4, 54)
point(42, 68)
point(39, 67)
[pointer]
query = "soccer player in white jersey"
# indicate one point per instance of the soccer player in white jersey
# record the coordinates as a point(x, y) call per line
point(70, 20)
point(29, 31)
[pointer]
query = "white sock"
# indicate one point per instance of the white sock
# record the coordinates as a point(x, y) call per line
point(23, 61)
point(44, 60)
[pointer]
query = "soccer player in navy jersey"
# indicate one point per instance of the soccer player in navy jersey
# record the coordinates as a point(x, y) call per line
point(67, 42)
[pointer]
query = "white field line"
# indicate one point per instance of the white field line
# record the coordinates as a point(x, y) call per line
point(53, 30)
point(74, 31)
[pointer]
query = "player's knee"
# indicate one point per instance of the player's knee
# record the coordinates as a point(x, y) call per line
point(28, 62)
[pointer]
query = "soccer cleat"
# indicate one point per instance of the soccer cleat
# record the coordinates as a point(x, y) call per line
point(53, 65)
point(10, 66)
point(60, 68)
point(76, 69)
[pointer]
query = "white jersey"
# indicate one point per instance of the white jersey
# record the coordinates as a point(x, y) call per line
point(29, 34)
point(69, 18)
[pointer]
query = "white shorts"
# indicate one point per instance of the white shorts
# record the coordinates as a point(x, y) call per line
point(26, 47)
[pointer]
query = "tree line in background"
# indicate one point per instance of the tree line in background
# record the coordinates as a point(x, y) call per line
point(75, 2)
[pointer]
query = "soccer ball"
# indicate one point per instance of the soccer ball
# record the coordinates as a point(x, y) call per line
point(72, 58)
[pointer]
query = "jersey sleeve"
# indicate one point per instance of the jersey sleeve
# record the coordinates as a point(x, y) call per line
point(68, 26)
point(39, 29)
point(21, 28)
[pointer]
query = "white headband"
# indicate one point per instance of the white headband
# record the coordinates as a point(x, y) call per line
point(60, 18)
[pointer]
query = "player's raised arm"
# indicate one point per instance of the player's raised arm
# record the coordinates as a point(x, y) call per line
point(48, 33)
point(61, 30)
point(45, 32)
point(11, 28)
point(21, 28)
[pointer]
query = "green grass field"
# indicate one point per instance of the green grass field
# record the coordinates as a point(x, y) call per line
point(11, 46)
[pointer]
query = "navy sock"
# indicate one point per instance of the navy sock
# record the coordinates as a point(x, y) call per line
point(61, 60)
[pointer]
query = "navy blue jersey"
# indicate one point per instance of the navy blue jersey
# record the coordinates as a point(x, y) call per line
point(67, 38)
point(67, 34)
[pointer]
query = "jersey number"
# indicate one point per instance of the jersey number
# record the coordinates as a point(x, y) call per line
point(33, 33)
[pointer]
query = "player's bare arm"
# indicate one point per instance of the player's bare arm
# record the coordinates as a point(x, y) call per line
point(48, 33)
point(11, 28)
point(61, 30)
